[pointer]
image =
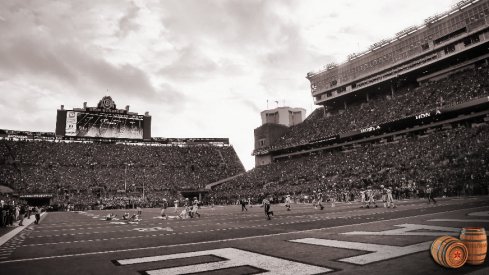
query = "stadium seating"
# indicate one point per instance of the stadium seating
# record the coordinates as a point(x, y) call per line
point(457, 88)
point(455, 161)
point(86, 171)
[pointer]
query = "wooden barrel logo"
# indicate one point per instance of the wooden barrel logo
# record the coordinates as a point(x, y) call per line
point(475, 239)
point(449, 252)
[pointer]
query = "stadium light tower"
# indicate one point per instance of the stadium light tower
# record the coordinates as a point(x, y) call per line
point(125, 174)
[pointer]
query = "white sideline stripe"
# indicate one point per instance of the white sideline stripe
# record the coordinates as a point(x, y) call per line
point(5, 238)
point(231, 239)
point(457, 220)
point(480, 214)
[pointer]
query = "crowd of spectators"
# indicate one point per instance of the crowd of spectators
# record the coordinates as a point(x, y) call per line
point(13, 211)
point(383, 107)
point(454, 161)
point(82, 173)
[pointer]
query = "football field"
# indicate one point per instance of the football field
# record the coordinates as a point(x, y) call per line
point(345, 239)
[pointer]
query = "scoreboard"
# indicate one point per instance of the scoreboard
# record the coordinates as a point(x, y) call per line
point(85, 124)
point(103, 121)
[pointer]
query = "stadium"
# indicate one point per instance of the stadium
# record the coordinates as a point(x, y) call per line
point(395, 154)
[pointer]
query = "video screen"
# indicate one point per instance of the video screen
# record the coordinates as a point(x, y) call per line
point(104, 125)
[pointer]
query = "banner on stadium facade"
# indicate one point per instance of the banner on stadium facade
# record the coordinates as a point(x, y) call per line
point(71, 119)
point(34, 196)
point(370, 129)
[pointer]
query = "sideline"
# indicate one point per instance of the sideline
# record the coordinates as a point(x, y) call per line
point(230, 239)
point(5, 238)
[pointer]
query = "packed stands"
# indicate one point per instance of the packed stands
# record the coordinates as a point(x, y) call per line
point(88, 171)
point(383, 107)
point(455, 161)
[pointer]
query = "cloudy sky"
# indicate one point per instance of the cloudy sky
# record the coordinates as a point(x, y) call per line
point(202, 68)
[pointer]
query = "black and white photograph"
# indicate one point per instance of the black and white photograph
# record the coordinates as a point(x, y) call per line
point(222, 137)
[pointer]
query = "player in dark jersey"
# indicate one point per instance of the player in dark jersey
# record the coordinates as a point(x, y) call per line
point(384, 195)
point(319, 198)
point(242, 201)
point(266, 206)
point(429, 194)
point(164, 206)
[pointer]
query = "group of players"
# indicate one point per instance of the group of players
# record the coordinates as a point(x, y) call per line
point(191, 208)
point(367, 198)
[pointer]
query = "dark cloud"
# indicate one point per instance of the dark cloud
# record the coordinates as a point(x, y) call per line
point(76, 67)
point(236, 24)
point(49, 46)
point(190, 63)
point(25, 56)
point(126, 23)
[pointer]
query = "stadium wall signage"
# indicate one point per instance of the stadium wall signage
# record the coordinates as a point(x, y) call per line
point(370, 129)
point(420, 116)
point(33, 196)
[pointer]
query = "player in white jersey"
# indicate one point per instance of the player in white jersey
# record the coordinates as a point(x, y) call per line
point(287, 202)
point(195, 207)
point(333, 197)
point(370, 195)
point(186, 212)
point(390, 200)
point(362, 198)
point(176, 205)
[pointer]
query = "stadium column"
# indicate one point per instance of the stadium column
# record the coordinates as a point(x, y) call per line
point(366, 96)
point(392, 90)
point(344, 102)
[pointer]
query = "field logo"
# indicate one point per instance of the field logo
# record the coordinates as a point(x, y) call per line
point(230, 258)
point(379, 252)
